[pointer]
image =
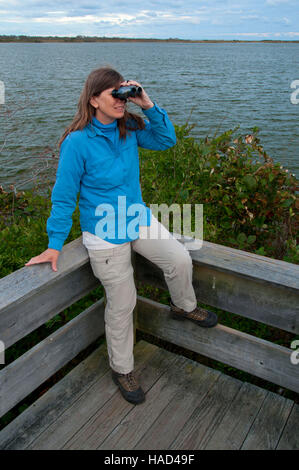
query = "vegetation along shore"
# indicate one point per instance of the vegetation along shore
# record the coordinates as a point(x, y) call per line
point(34, 39)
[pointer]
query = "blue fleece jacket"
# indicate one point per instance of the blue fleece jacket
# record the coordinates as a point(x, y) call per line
point(105, 171)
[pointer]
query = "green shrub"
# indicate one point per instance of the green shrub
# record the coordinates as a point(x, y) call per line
point(23, 228)
point(249, 202)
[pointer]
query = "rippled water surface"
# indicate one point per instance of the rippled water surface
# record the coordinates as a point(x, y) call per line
point(225, 84)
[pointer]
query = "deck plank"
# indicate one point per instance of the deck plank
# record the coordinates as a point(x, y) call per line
point(206, 417)
point(235, 425)
point(135, 424)
point(188, 406)
point(19, 434)
point(289, 439)
point(198, 380)
point(115, 410)
point(76, 415)
point(269, 423)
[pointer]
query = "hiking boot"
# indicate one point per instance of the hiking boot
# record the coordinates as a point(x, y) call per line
point(200, 316)
point(129, 387)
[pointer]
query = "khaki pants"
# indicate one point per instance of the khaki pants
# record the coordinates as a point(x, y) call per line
point(114, 269)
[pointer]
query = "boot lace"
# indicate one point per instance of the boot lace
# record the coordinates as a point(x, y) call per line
point(198, 314)
point(130, 382)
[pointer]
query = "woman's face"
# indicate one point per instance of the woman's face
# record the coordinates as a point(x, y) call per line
point(107, 107)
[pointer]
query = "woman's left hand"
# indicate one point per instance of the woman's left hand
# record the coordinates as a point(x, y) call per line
point(143, 100)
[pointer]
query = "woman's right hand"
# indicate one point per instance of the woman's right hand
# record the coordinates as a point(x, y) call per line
point(48, 256)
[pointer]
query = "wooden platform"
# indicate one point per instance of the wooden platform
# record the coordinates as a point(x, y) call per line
point(188, 406)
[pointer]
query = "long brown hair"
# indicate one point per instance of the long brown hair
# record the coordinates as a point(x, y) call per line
point(97, 81)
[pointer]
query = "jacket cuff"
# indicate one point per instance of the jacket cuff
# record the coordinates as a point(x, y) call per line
point(154, 111)
point(55, 244)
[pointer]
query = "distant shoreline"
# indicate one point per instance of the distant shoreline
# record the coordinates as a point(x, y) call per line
point(78, 39)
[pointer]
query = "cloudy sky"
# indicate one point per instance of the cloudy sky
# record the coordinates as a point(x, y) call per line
point(186, 19)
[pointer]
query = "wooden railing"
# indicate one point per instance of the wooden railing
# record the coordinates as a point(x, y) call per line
point(252, 286)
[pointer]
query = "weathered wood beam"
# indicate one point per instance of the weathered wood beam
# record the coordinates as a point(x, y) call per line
point(34, 294)
point(253, 286)
point(29, 371)
point(245, 352)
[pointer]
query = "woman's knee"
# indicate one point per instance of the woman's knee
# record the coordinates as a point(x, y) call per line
point(180, 263)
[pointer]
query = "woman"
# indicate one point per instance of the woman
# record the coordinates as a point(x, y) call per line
point(99, 159)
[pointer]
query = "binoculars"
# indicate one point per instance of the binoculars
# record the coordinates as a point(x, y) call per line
point(124, 92)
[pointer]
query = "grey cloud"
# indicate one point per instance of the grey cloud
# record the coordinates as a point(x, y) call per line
point(151, 14)
point(30, 6)
point(215, 17)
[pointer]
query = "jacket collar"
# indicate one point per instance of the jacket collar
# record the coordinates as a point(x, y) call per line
point(94, 128)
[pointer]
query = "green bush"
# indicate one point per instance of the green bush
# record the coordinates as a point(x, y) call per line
point(23, 233)
point(249, 202)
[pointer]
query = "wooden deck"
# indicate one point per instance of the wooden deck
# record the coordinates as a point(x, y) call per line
point(188, 406)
